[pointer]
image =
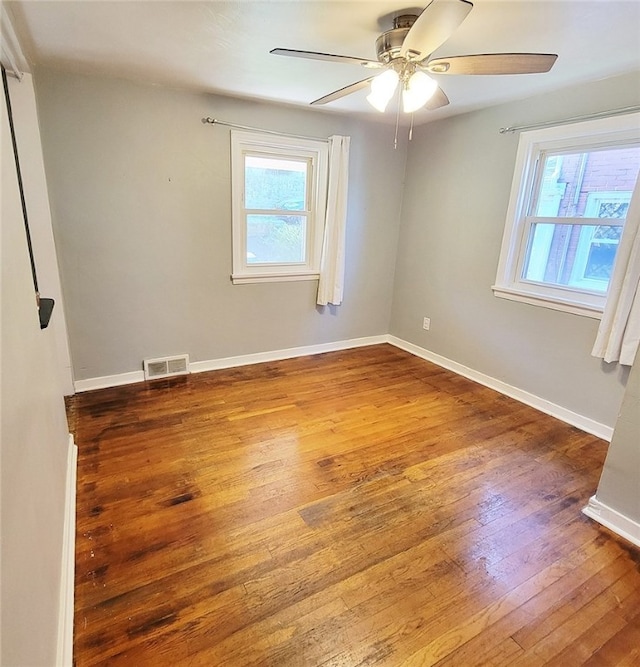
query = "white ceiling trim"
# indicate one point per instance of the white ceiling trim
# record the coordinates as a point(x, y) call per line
point(11, 53)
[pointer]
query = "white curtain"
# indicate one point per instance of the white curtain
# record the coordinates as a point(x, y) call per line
point(619, 331)
point(331, 283)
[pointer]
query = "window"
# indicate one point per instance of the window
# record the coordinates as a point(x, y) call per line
point(569, 199)
point(279, 194)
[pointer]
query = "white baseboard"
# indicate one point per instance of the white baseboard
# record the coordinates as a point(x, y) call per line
point(288, 353)
point(557, 411)
point(67, 574)
point(231, 362)
point(107, 381)
point(619, 523)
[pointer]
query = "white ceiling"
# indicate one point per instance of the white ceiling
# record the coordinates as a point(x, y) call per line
point(223, 47)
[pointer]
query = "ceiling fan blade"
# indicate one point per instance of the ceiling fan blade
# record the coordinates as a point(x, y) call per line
point(493, 63)
point(331, 57)
point(434, 26)
point(342, 92)
point(438, 99)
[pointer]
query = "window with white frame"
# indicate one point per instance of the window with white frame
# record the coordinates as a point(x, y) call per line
point(569, 198)
point(279, 190)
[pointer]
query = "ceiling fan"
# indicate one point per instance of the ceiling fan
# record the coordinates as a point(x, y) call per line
point(404, 53)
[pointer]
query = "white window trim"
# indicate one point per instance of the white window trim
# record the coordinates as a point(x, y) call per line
point(590, 135)
point(316, 151)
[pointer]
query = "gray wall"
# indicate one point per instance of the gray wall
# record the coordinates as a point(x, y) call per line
point(141, 207)
point(140, 198)
point(458, 181)
point(33, 435)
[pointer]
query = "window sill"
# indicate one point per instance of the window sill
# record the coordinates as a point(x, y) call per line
point(537, 299)
point(243, 279)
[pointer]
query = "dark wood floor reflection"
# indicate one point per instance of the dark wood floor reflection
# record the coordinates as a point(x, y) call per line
point(354, 508)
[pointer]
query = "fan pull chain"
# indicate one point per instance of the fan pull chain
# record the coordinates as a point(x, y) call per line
point(395, 140)
point(411, 129)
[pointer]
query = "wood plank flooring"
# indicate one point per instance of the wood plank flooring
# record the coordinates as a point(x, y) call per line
point(354, 508)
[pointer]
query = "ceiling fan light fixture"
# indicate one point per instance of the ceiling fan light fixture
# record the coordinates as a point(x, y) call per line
point(377, 102)
point(405, 51)
point(418, 90)
point(382, 88)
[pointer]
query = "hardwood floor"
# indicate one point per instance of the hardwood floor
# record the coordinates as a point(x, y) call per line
point(355, 508)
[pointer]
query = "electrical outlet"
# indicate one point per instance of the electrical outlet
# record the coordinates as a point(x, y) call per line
point(426, 323)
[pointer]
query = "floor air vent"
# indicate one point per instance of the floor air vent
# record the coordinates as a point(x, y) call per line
point(166, 367)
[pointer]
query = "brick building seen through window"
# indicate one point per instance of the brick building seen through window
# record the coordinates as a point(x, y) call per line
point(594, 184)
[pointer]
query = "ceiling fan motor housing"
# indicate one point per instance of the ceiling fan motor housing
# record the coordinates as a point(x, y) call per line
point(389, 43)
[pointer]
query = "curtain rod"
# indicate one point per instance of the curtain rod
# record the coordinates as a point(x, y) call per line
point(573, 119)
point(215, 121)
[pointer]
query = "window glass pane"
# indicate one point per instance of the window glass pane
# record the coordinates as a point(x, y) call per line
point(594, 184)
point(275, 183)
point(602, 253)
point(577, 256)
point(275, 239)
